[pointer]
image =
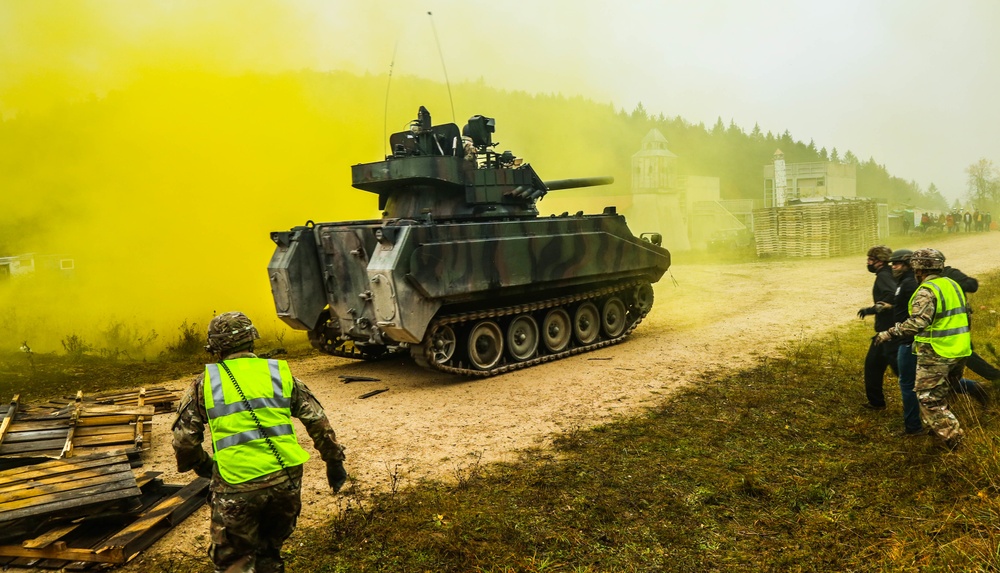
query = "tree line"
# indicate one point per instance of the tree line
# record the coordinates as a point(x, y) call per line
point(737, 158)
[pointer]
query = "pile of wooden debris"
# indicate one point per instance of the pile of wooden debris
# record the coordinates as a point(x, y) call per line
point(70, 494)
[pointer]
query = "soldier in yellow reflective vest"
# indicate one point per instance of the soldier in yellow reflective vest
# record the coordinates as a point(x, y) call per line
point(248, 404)
point(939, 323)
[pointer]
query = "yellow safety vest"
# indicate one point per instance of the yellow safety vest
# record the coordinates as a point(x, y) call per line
point(241, 452)
point(949, 334)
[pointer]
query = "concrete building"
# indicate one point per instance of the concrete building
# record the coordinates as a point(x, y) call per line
point(813, 210)
point(809, 180)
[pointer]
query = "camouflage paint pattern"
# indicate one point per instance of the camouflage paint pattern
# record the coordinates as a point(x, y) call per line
point(249, 528)
point(935, 377)
point(460, 231)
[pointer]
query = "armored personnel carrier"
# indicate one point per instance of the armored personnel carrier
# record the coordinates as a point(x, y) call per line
point(461, 271)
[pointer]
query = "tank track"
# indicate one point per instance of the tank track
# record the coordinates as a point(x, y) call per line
point(426, 359)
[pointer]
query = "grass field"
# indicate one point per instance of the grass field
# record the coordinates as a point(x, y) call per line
point(776, 468)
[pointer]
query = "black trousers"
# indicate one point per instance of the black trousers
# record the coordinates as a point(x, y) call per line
point(977, 364)
point(879, 357)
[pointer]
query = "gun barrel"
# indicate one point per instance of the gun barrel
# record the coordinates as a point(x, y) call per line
point(558, 184)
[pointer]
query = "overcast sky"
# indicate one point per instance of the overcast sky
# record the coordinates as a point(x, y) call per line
point(913, 83)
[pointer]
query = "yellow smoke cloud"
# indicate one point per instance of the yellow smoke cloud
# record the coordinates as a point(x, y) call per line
point(159, 149)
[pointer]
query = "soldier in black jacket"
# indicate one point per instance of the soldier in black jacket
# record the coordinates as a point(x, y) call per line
point(976, 363)
point(907, 360)
point(880, 356)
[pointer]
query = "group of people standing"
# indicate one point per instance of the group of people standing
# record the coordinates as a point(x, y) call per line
point(922, 325)
point(956, 221)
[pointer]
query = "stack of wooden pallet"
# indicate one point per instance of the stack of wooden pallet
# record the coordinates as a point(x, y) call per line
point(765, 231)
point(78, 512)
point(161, 399)
point(80, 427)
point(824, 229)
point(69, 497)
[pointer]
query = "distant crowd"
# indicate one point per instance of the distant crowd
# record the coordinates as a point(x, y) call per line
point(957, 221)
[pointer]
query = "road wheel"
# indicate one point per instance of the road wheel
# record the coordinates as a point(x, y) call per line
point(644, 297)
point(586, 323)
point(485, 345)
point(613, 317)
point(556, 330)
point(522, 337)
point(443, 342)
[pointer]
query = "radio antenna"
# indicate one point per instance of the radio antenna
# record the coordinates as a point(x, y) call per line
point(385, 112)
point(441, 55)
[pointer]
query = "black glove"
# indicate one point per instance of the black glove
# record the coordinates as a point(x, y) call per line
point(866, 311)
point(336, 475)
point(205, 468)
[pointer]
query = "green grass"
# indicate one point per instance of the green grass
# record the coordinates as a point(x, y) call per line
point(776, 468)
point(96, 368)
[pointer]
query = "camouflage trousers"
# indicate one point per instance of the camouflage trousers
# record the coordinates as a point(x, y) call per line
point(935, 378)
point(248, 528)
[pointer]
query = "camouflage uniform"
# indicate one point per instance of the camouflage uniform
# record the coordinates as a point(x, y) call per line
point(935, 374)
point(251, 520)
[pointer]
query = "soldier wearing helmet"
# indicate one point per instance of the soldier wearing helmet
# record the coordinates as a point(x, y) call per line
point(256, 472)
point(939, 324)
point(976, 362)
point(906, 285)
point(879, 357)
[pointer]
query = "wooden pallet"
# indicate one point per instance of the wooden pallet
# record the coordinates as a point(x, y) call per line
point(95, 543)
point(82, 429)
point(163, 400)
point(59, 487)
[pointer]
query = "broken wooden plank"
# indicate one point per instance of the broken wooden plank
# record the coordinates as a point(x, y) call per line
point(158, 520)
point(67, 450)
point(33, 487)
point(146, 477)
point(9, 418)
point(57, 550)
point(137, 436)
point(373, 393)
point(348, 378)
point(56, 467)
point(49, 537)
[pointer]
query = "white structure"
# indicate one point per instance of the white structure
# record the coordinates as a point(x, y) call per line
point(779, 179)
point(686, 210)
point(21, 265)
point(658, 202)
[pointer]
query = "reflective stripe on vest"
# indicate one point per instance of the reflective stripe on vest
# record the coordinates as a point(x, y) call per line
point(241, 452)
point(948, 334)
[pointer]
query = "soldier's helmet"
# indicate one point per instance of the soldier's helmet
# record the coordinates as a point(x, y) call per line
point(927, 259)
point(880, 253)
point(230, 330)
point(901, 256)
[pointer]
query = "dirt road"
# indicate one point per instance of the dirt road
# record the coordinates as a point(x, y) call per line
point(716, 318)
